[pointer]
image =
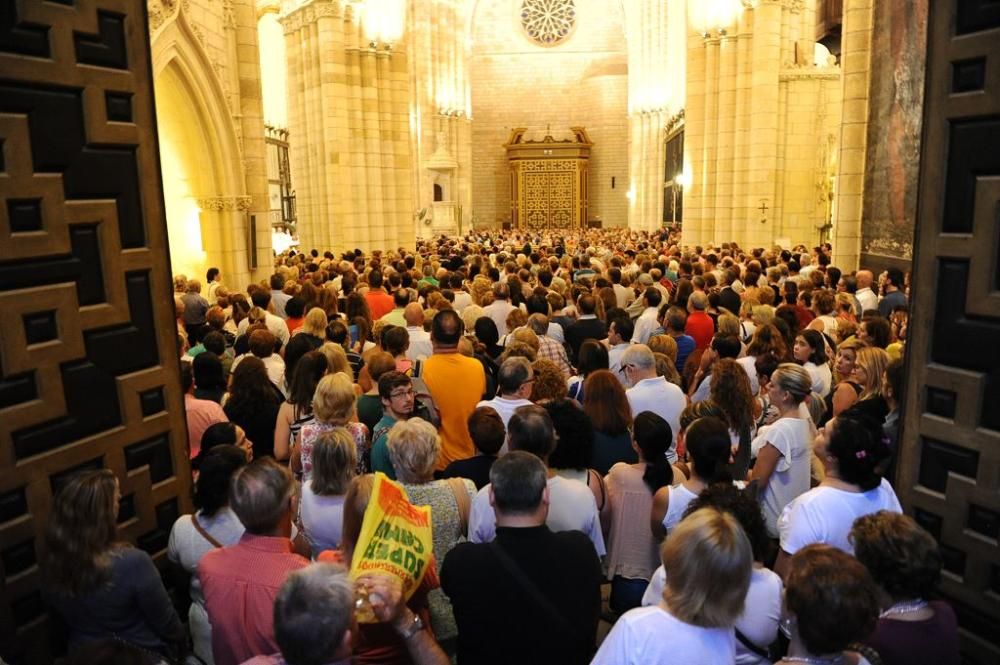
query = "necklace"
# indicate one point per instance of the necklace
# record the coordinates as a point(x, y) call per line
point(904, 607)
point(813, 660)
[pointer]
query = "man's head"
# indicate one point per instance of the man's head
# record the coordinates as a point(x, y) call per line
point(515, 378)
point(587, 304)
point(401, 298)
point(620, 331)
point(865, 278)
point(314, 615)
point(414, 315)
point(530, 429)
point(261, 496)
point(638, 363)
point(698, 302)
point(651, 297)
point(262, 343)
point(894, 279)
point(500, 291)
point(446, 329)
point(726, 346)
point(395, 390)
point(375, 278)
point(518, 488)
point(486, 430)
point(277, 282)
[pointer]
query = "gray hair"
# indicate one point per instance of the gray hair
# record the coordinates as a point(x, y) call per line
point(518, 480)
point(313, 612)
point(414, 445)
point(539, 323)
point(514, 372)
point(639, 356)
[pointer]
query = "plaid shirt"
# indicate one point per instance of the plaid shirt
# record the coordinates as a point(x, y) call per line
point(552, 350)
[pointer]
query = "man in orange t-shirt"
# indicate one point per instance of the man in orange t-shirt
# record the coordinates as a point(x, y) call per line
point(379, 302)
point(456, 383)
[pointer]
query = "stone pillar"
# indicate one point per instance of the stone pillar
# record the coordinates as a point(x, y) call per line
point(855, 64)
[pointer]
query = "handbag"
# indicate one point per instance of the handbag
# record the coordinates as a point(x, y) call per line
point(203, 533)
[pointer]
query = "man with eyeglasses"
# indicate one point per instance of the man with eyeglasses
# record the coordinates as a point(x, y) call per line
point(516, 379)
point(395, 389)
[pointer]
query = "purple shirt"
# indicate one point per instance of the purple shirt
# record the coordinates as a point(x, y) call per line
point(933, 641)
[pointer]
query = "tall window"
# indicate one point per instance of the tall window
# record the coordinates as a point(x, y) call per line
point(281, 196)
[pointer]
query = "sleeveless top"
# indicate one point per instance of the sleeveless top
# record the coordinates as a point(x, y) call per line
point(680, 498)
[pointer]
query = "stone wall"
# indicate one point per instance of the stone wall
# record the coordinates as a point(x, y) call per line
point(579, 82)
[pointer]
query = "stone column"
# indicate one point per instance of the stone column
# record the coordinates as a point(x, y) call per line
point(856, 67)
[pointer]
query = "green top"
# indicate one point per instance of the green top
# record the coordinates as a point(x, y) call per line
point(380, 447)
point(369, 411)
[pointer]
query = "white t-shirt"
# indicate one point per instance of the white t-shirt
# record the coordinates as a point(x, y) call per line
point(821, 377)
point(792, 437)
point(571, 508)
point(826, 514)
point(644, 326)
point(761, 614)
point(662, 398)
point(652, 636)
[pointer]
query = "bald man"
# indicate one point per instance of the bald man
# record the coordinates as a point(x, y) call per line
point(865, 295)
point(420, 340)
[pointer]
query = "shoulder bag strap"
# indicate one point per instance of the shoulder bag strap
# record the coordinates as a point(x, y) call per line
point(204, 534)
point(529, 587)
point(745, 641)
point(604, 489)
point(462, 499)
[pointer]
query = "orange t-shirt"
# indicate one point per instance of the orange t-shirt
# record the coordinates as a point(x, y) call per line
point(380, 303)
point(457, 383)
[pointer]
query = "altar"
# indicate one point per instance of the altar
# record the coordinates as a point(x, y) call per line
point(548, 180)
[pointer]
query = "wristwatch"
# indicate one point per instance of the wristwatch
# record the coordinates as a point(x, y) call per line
point(415, 627)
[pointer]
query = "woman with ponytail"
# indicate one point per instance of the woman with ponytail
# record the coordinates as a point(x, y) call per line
point(851, 449)
point(709, 449)
point(632, 550)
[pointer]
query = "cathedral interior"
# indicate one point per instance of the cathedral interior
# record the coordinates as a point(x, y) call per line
point(144, 139)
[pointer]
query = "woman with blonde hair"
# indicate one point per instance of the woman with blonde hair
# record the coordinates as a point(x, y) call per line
point(335, 460)
point(333, 408)
point(470, 315)
point(847, 391)
point(869, 366)
point(336, 358)
point(783, 449)
point(104, 588)
point(414, 447)
point(708, 562)
point(314, 324)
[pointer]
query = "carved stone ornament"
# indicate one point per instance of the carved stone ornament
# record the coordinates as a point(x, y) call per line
point(675, 121)
point(160, 11)
point(225, 203)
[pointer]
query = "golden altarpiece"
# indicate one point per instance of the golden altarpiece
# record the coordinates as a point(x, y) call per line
point(548, 180)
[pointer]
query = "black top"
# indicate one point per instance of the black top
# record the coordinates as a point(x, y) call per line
point(500, 621)
point(132, 606)
point(729, 299)
point(476, 469)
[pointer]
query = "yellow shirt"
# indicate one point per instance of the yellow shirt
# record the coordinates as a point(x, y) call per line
point(457, 383)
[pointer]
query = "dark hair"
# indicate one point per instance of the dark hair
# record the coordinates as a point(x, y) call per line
point(653, 436)
point(817, 344)
point(207, 371)
point(902, 558)
point(895, 275)
point(530, 429)
point(486, 331)
point(518, 480)
point(486, 430)
point(623, 326)
point(878, 330)
point(574, 435)
point(215, 470)
point(832, 596)
point(728, 498)
point(295, 307)
point(375, 278)
point(857, 444)
point(592, 356)
point(447, 327)
point(251, 391)
point(709, 445)
point(211, 274)
point(215, 342)
point(765, 364)
point(187, 377)
point(298, 346)
point(389, 381)
point(652, 296)
point(894, 377)
point(308, 371)
point(218, 434)
point(727, 346)
point(395, 340)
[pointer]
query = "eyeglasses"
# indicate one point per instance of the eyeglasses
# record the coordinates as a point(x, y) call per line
point(625, 367)
point(402, 393)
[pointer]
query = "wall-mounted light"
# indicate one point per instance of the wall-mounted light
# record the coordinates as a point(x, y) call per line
point(683, 179)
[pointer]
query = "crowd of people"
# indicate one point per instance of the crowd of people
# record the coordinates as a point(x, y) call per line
point(708, 433)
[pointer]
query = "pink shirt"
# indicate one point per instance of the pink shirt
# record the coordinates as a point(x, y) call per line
point(240, 584)
point(201, 414)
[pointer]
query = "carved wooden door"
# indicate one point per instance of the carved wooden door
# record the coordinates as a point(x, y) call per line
point(950, 466)
point(88, 344)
